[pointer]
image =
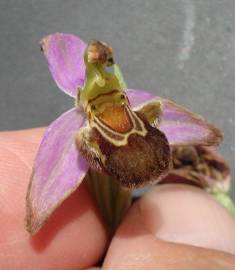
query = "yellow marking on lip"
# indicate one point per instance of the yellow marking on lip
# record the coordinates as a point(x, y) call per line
point(125, 136)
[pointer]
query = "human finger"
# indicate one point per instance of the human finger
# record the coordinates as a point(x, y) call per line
point(74, 237)
point(173, 227)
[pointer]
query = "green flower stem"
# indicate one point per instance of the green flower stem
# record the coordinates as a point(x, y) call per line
point(112, 199)
point(224, 199)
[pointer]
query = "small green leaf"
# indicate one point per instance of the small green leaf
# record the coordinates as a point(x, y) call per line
point(224, 199)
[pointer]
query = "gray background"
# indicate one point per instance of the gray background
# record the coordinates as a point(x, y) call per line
point(181, 49)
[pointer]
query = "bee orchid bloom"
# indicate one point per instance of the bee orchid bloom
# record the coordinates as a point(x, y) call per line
point(123, 133)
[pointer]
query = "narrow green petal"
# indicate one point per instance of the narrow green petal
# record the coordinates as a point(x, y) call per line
point(118, 73)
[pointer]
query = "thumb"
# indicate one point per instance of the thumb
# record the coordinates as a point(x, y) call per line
point(181, 214)
point(189, 215)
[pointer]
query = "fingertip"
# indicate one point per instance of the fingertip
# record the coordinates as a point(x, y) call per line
point(23, 132)
point(137, 244)
point(74, 237)
point(188, 215)
point(76, 229)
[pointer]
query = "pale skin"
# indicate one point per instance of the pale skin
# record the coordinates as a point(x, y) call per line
point(75, 237)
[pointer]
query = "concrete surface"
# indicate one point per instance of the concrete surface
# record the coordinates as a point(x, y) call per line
point(183, 50)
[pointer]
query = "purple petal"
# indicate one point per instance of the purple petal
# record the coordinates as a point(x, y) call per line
point(137, 97)
point(59, 169)
point(181, 126)
point(64, 53)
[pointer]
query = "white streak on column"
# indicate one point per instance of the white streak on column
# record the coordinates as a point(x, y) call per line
point(188, 36)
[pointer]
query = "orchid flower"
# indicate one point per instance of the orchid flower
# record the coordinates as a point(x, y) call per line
point(125, 134)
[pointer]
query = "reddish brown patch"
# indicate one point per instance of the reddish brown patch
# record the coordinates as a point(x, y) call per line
point(117, 118)
point(143, 160)
point(103, 94)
